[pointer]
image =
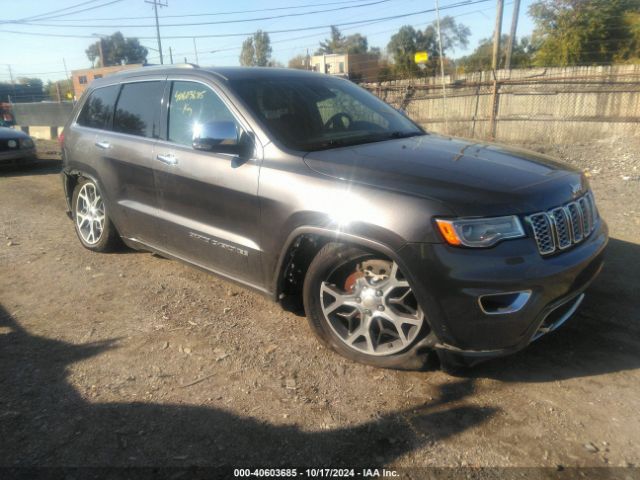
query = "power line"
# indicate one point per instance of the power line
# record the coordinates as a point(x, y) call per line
point(218, 22)
point(49, 13)
point(212, 13)
point(291, 39)
point(319, 27)
point(41, 17)
point(272, 32)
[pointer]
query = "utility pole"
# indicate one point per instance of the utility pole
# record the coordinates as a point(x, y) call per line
point(13, 85)
point(444, 87)
point(155, 4)
point(195, 50)
point(171, 55)
point(101, 52)
point(512, 34)
point(66, 73)
point(496, 35)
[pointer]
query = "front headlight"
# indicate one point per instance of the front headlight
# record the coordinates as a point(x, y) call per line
point(26, 143)
point(479, 232)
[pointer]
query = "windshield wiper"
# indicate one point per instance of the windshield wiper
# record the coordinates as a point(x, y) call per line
point(399, 134)
point(361, 139)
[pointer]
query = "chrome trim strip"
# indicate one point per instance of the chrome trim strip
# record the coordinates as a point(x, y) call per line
point(515, 306)
point(544, 330)
point(189, 224)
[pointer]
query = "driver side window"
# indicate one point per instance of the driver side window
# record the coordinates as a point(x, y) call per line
point(193, 104)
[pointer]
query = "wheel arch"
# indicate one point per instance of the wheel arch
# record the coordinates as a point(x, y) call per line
point(70, 178)
point(301, 247)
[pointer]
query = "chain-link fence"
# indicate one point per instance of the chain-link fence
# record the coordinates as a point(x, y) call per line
point(547, 105)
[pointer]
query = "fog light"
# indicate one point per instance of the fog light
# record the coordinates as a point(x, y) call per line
point(501, 303)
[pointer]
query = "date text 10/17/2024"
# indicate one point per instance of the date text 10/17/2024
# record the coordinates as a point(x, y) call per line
point(314, 473)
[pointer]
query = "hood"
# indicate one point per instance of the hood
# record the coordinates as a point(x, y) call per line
point(8, 133)
point(473, 179)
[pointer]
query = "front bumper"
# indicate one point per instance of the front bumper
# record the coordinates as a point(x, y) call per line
point(448, 282)
point(18, 157)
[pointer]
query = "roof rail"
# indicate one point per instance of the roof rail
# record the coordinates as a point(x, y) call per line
point(172, 65)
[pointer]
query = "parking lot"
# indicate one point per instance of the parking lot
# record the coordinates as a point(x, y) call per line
point(132, 359)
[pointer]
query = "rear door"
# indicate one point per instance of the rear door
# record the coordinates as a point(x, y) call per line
point(127, 152)
point(208, 201)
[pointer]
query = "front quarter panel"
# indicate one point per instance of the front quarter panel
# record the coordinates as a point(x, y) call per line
point(294, 198)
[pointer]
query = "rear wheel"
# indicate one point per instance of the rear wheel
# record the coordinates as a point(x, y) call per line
point(93, 226)
point(362, 306)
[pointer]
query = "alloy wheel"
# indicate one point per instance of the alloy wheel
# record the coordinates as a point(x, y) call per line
point(90, 214)
point(372, 308)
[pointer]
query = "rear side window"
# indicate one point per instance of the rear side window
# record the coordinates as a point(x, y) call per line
point(193, 104)
point(138, 109)
point(97, 110)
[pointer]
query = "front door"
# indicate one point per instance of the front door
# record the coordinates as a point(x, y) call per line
point(208, 202)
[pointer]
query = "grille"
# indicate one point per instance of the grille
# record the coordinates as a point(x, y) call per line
point(563, 226)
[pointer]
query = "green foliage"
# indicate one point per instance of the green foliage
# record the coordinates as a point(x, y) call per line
point(585, 32)
point(24, 90)
point(300, 62)
point(404, 44)
point(481, 58)
point(63, 87)
point(117, 50)
point(256, 50)
point(338, 43)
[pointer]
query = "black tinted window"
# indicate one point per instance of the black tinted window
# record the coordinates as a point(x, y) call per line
point(98, 109)
point(138, 109)
point(193, 104)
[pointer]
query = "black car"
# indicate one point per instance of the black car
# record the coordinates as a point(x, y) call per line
point(16, 147)
point(398, 242)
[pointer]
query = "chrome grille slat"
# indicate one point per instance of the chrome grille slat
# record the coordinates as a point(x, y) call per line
point(575, 221)
point(542, 233)
point(561, 226)
point(586, 215)
point(564, 226)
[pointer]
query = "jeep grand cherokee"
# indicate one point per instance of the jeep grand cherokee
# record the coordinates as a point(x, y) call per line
point(398, 242)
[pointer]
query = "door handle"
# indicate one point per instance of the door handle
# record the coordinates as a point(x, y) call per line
point(103, 145)
point(167, 159)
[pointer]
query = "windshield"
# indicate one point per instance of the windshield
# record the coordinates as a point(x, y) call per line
point(319, 113)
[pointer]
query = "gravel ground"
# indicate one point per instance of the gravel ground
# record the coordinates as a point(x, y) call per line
point(131, 359)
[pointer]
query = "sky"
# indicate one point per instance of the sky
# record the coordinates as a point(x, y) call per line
point(69, 34)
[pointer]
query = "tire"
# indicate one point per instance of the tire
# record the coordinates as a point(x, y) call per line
point(90, 218)
point(374, 307)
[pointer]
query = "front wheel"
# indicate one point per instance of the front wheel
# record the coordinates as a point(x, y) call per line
point(362, 306)
point(93, 226)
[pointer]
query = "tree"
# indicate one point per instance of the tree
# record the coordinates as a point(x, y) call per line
point(117, 50)
point(24, 90)
point(248, 53)
point(579, 32)
point(256, 50)
point(404, 44)
point(338, 43)
point(481, 58)
point(301, 62)
point(64, 88)
point(332, 44)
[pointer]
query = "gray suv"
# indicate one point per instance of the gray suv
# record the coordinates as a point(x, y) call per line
point(398, 243)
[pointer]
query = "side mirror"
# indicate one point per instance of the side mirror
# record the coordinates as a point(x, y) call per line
point(217, 137)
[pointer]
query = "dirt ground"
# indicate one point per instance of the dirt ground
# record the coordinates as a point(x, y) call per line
point(131, 359)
